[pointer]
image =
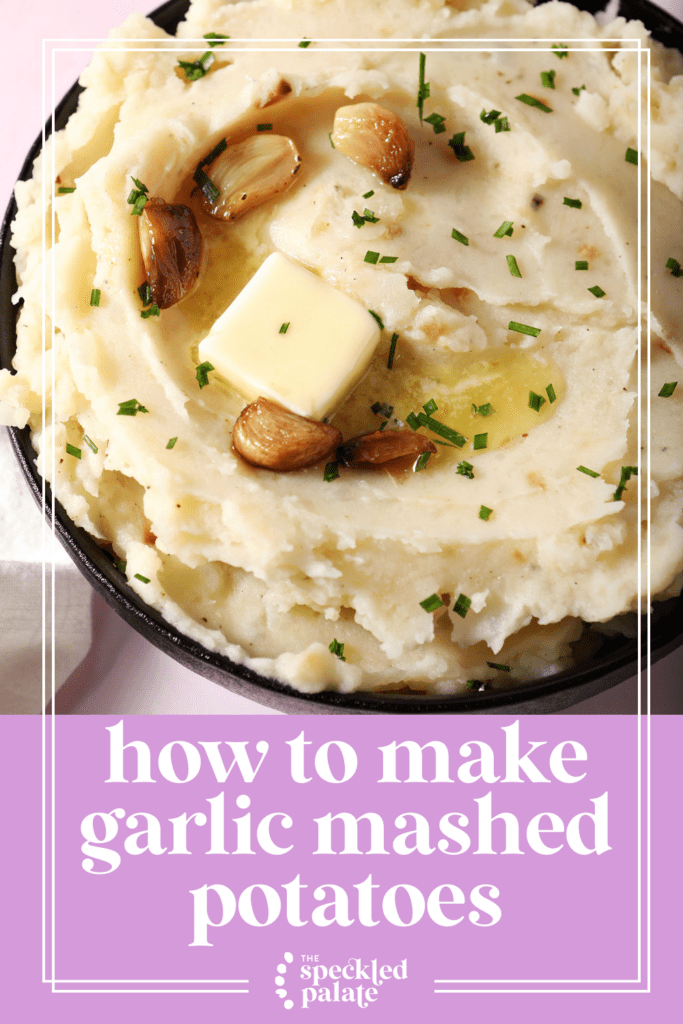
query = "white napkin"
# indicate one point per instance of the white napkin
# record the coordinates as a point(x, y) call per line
point(26, 542)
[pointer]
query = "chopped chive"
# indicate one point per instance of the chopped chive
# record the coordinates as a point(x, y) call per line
point(437, 123)
point(577, 91)
point(422, 461)
point(138, 203)
point(367, 195)
point(392, 351)
point(465, 469)
point(171, 442)
point(329, 135)
point(484, 512)
point(91, 444)
point(501, 668)
point(536, 401)
point(480, 441)
point(206, 185)
point(377, 318)
point(448, 433)
point(215, 38)
point(501, 125)
point(357, 219)
point(95, 296)
point(597, 291)
point(504, 229)
point(130, 408)
point(423, 87)
point(632, 156)
point(331, 472)
point(667, 390)
point(512, 264)
point(304, 43)
point(152, 311)
point(457, 144)
point(338, 649)
point(459, 237)
point(382, 409)
point(575, 203)
point(195, 69)
point(626, 473)
point(531, 101)
point(489, 118)
point(412, 421)
point(388, 259)
point(473, 684)
point(431, 603)
point(220, 146)
point(533, 332)
point(65, 189)
point(462, 605)
point(121, 566)
point(371, 257)
point(264, 127)
point(560, 50)
point(143, 579)
point(202, 373)
point(383, 424)
point(430, 407)
point(581, 265)
point(588, 472)
point(284, 327)
point(550, 392)
point(369, 216)
point(482, 410)
point(674, 266)
point(72, 450)
point(145, 293)
point(548, 79)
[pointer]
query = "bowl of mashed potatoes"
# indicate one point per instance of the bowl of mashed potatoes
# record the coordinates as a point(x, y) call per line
point(349, 341)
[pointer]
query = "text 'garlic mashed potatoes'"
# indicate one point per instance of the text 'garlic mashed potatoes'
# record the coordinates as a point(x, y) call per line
point(484, 563)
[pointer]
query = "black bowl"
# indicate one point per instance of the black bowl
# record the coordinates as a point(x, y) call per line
point(616, 661)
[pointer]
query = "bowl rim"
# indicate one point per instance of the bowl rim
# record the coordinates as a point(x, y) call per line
point(619, 661)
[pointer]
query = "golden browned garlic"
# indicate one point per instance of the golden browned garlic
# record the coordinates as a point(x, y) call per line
point(269, 436)
point(250, 173)
point(171, 245)
point(377, 138)
point(381, 446)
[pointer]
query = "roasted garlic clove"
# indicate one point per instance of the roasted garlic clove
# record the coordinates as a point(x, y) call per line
point(171, 245)
point(250, 173)
point(377, 138)
point(384, 446)
point(269, 436)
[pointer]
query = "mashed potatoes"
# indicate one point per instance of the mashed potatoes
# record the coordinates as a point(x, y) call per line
point(513, 291)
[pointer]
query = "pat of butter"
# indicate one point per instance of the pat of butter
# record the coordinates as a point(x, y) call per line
point(308, 366)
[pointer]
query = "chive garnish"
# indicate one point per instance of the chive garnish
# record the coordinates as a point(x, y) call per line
point(422, 461)
point(457, 144)
point(304, 43)
point(145, 293)
point(632, 156)
point(431, 603)
point(366, 195)
point(480, 441)
point(215, 38)
point(423, 87)
point(137, 197)
point(202, 373)
point(504, 229)
point(597, 291)
point(91, 444)
point(626, 473)
point(143, 579)
point(195, 69)
point(459, 237)
point(392, 351)
point(575, 203)
point(674, 266)
point(412, 421)
point(465, 469)
point(588, 472)
point(462, 605)
point(489, 118)
point(531, 101)
point(171, 442)
point(331, 472)
point(72, 450)
point(560, 50)
point(533, 332)
point(284, 327)
point(667, 390)
point(473, 684)
point(357, 219)
point(369, 216)
point(482, 410)
point(501, 668)
point(264, 127)
point(501, 125)
point(548, 79)
point(95, 296)
point(338, 649)
point(220, 146)
point(130, 408)
point(437, 123)
point(577, 91)
point(388, 259)
point(329, 135)
point(581, 265)
point(206, 185)
point(152, 311)
point(382, 409)
point(371, 257)
point(121, 566)
point(550, 392)
point(448, 433)
point(377, 318)
point(512, 264)
point(484, 512)
point(536, 401)
point(430, 407)
point(65, 189)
